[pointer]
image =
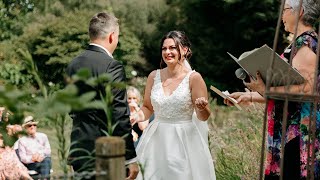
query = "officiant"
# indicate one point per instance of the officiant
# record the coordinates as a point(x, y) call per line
point(302, 53)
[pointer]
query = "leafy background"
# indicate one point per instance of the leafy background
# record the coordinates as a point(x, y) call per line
point(55, 31)
point(38, 38)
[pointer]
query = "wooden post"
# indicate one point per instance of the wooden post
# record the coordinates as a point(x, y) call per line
point(110, 159)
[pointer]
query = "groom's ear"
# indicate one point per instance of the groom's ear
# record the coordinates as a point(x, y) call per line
point(111, 37)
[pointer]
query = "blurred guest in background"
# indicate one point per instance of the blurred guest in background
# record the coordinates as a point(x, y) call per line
point(10, 166)
point(134, 98)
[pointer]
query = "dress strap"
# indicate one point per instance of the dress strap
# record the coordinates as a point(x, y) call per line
point(189, 73)
point(157, 77)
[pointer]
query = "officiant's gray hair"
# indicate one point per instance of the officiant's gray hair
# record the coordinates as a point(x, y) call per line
point(311, 10)
point(101, 24)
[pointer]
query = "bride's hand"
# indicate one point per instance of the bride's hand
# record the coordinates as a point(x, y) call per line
point(201, 103)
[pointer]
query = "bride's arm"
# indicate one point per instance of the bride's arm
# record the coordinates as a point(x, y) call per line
point(146, 110)
point(199, 95)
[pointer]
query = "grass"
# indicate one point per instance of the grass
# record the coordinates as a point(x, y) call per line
point(234, 141)
point(52, 136)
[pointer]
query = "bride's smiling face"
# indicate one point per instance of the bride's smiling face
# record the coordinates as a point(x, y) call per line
point(170, 51)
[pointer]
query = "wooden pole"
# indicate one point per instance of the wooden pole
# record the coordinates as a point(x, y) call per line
point(110, 158)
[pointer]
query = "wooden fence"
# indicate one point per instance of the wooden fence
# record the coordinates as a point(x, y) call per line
point(110, 158)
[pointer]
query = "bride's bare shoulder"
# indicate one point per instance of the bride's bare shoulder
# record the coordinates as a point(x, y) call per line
point(195, 75)
point(152, 74)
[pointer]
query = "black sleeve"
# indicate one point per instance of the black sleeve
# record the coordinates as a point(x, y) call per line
point(120, 111)
point(136, 129)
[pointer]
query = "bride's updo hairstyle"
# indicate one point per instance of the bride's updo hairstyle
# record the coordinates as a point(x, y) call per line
point(181, 40)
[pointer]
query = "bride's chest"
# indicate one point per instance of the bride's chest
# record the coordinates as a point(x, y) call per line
point(181, 96)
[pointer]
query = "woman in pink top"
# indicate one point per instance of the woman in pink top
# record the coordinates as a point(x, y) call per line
point(10, 166)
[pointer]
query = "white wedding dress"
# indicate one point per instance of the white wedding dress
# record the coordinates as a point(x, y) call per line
point(172, 147)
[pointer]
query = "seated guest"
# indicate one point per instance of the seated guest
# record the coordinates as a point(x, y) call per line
point(10, 166)
point(34, 149)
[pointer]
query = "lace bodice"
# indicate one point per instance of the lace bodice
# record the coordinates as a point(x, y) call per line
point(176, 107)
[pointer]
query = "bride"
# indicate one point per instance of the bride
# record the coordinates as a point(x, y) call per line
point(172, 147)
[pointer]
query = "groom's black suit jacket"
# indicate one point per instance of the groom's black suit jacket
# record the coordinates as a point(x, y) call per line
point(88, 124)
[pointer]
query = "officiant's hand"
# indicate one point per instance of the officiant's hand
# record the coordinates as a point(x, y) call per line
point(243, 98)
point(256, 85)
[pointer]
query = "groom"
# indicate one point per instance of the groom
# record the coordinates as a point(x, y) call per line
point(88, 125)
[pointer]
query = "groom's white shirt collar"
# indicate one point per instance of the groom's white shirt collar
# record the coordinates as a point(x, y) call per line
point(102, 48)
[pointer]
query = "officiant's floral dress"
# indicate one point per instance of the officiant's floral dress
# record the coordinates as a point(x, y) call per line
point(296, 137)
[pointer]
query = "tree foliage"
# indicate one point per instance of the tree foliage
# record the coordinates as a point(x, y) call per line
point(13, 15)
point(217, 27)
point(56, 35)
point(56, 31)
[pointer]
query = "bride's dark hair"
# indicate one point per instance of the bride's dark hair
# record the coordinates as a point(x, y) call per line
point(181, 40)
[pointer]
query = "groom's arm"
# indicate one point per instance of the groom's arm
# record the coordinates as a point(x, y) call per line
point(120, 111)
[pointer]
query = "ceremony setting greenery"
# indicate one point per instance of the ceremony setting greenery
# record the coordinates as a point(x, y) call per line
point(38, 38)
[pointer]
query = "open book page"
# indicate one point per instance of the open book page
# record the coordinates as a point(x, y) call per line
point(247, 53)
point(259, 59)
point(225, 95)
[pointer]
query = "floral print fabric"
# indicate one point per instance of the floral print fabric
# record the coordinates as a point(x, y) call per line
point(10, 166)
point(299, 115)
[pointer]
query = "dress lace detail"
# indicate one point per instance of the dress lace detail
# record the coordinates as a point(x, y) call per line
point(177, 106)
point(172, 147)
